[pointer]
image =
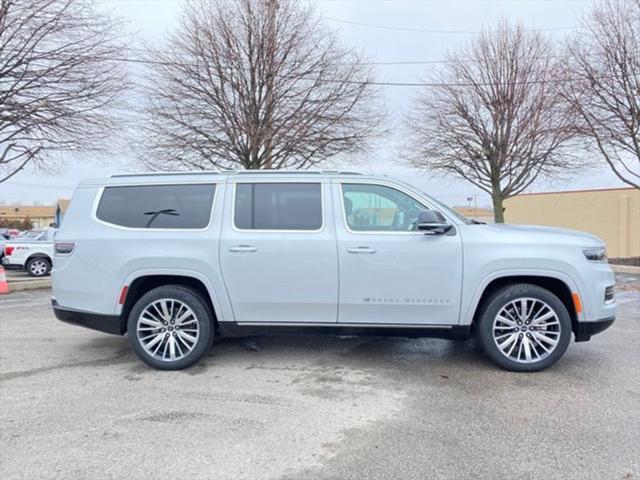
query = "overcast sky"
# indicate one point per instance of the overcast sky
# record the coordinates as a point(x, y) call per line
point(149, 20)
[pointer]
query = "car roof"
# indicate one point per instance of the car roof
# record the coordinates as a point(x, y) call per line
point(142, 178)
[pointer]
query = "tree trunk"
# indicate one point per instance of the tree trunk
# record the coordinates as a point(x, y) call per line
point(271, 46)
point(498, 209)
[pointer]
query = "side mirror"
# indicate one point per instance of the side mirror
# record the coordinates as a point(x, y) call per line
point(433, 223)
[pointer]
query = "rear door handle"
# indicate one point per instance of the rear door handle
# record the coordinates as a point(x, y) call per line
point(361, 250)
point(243, 249)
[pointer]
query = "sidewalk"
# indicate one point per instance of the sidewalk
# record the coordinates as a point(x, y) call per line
point(19, 280)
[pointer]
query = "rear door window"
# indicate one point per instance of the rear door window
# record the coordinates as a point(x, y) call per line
point(278, 206)
point(157, 206)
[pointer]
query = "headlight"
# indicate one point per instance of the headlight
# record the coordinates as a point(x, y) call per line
point(596, 254)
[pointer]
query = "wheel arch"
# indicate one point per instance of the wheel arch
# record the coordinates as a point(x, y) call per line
point(561, 287)
point(147, 282)
point(39, 255)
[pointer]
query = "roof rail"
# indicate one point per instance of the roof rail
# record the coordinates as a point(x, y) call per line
point(145, 174)
point(292, 172)
point(234, 172)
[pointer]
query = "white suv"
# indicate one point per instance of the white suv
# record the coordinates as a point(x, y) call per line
point(173, 260)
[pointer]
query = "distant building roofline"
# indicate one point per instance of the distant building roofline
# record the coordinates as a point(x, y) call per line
point(586, 190)
point(477, 211)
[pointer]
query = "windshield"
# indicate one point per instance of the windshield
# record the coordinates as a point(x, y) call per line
point(442, 206)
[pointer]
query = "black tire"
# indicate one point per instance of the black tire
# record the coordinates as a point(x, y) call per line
point(502, 298)
point(203, 317)
point(38, 267)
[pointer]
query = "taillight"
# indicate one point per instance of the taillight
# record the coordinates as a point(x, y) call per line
point(8, 250)
point(63, 248)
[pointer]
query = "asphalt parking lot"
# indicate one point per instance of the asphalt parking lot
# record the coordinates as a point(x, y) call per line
point(77, 404)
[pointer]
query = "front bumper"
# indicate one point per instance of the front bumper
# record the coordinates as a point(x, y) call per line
point(95, 321)
point(584, 330)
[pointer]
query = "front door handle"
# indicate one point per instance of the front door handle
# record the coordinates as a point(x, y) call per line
point(361, 250)
point(243, 249)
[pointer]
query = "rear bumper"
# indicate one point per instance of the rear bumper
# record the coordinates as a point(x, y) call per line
point(95, 321)
point(585, 330)
point(8, 262)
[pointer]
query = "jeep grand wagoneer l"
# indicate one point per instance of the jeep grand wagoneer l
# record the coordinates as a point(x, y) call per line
point(172, 260)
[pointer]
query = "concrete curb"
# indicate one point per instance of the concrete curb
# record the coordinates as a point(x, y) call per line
point(20, 285)
point(625, 269)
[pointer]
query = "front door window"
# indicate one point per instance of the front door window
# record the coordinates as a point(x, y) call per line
point(377, 208)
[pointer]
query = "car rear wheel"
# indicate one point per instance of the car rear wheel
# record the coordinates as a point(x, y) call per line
point(38, 267)
point(524, 328)
point(170, 327)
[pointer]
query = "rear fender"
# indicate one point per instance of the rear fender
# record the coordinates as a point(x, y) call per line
point(218, 299)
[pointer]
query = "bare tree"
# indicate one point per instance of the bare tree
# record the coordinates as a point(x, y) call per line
point(255, 84)
point(492, 115)
point(603, 62)
point(58, 79)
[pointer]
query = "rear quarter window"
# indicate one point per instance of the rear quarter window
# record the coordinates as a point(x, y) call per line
point(157, 206)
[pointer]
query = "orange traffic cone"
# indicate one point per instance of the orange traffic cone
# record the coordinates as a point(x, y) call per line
point(4, 286)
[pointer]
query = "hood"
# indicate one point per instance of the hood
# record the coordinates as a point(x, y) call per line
point(545, 234)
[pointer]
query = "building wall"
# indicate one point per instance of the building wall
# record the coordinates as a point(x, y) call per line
point(40, 216)
point(38, 223)
point(612, 214)
point(479, 214)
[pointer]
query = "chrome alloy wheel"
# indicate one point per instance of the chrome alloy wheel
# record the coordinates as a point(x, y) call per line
point(168, 329)
point(526, 330)
point(38, 267)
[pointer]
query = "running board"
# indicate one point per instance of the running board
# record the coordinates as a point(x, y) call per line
point(248, 329)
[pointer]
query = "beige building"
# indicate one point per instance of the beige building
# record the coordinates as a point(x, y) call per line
point(611, 214)
point(41, 216)
point(476, 213)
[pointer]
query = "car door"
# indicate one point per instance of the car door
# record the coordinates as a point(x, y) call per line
point(389, 272)
point(278, 252)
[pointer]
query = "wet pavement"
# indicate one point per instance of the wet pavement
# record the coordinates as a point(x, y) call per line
point(77, 404)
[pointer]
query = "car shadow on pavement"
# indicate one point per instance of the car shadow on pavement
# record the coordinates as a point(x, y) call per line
point(381, 353)
point(390, 354)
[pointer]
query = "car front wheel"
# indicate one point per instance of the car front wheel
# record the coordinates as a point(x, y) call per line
point(524, 328)
point(170, 327)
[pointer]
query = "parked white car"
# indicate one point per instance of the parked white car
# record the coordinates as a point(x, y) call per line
point(4, 239)
point(33, 252)
point(175, 259)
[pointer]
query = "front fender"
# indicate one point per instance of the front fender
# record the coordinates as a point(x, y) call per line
point(473, 300)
